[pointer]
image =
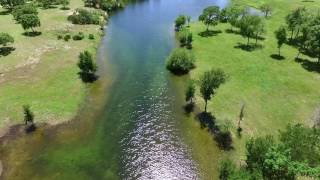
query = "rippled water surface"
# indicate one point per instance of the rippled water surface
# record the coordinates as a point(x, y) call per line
point(130, 129)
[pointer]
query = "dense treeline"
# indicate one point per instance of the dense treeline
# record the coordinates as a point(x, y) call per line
point(296, 153)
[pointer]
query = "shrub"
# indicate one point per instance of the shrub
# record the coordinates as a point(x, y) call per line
point(91, 36)
point(67, 37)
point(83, 16)
point(180, 22)
point(59, 37)
point(87, 67)
point(185, 38)
point(180, 61)
point(78, 36)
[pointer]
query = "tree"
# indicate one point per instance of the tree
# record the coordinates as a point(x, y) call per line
point(28, 115)
point(65, 3)
point(5, 38)
point(209, 82)
point(10, 4)
point(46, 3)
point(281, 35)
point(29, 21)
point(315, 40)
point(266, 9)
point(185, 38)
point(87, 66)
point(180, 22)
point(210, 16)
point(190, 92)
point(296, 19)
point(226, 169)
point(188, 20)
point(256, 150)
point(233, 14)
point(180, 61)
point(20, 10)
point(251, 26)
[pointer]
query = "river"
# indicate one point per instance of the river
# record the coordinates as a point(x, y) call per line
point(132, 125)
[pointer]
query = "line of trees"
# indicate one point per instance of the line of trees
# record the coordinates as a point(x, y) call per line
point(296, 153)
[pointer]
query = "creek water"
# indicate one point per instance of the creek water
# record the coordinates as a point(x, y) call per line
point(132, 124)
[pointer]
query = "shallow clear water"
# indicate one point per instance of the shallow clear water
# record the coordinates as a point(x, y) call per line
point(130, 127)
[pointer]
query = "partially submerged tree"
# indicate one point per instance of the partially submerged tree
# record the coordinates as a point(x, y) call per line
point(281, 35)
point(180, 22)
point(29, 21)
point(210, 16)
point(180, 61)
point(87, 67)
point(190, 92)
point(209, 82)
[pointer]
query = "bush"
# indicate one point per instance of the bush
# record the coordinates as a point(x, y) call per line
point(78, 36)
point(91, 36)
point(180, 61)
point(83, 16)
point(20, 10)
point(185, 38)
point(67, 37)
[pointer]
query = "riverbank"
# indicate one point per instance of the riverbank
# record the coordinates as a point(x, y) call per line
point(275, 92)
point(41, 71)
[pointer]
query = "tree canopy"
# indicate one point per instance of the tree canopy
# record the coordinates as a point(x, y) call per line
point(29, 21)
point(10, 4)
point(210, 16)
point(5, 38)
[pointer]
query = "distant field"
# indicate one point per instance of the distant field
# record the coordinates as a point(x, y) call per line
point(42, 70)
point(276, 92)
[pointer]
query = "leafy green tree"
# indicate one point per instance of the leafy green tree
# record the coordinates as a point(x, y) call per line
point(190, 92)
point(296, 19)
point(266, 9)
point(315, 38)
point(46, 3)
point(185, 38)
point(277, 164)
point(226, 169)
point(256, 150)
point(233, 14)
point(87, 66)
point(20, 10)
point(210, 16)
point(10, 4)
point(251, 26)
point(180, 21)
point(29, 21)
point(281, 35)
point(303, 143)
point(209, 82)
point(5, 39)
point(64, 3)
point(180, 61)
point(28, 115)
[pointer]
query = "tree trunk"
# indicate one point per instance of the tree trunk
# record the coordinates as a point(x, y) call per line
point(292, 34)
point(299, 51)
point(256, 38)
point(248, 41)
point(205, 106)
point(279, 52)
point(297, 34)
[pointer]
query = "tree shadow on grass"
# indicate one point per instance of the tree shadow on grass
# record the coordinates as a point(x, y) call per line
point(209, 33)
point(5, 51)
point(88, 78)
point(249, 48)
point(32, 34)
point(188, 108)
point(308, 65)
point(5, 12)
point(223, 138)
point(277, 57)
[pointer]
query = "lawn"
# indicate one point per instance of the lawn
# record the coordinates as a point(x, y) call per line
point(42, 70)
point(275, 92)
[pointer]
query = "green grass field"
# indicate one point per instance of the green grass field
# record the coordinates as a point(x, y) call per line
point(276, 92)
point(42, 70)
